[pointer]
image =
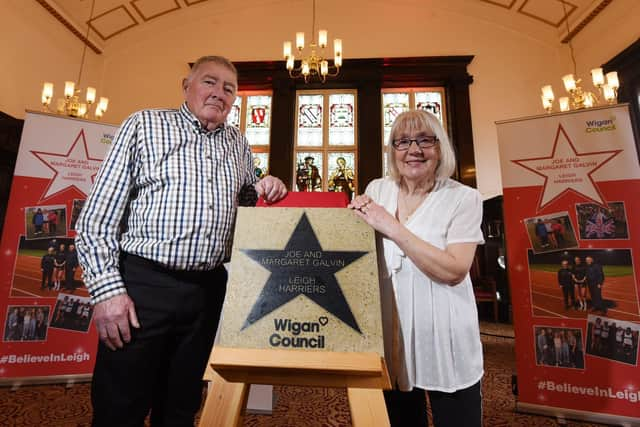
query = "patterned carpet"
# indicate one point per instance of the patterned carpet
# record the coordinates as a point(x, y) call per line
point(58, 406)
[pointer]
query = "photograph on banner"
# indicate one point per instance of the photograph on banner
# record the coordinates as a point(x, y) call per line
point(46, 266)
point(559, 347)
point(44, 222)
point(552, 232)
point(596, 222)
point(72, 313)
point(573, 283)
point(26, 323)
point(613, 339)
point(78, 204)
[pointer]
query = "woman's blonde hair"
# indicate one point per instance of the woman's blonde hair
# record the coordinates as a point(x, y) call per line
point(413, 122)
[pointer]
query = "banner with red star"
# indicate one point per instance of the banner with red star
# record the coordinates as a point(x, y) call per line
point(45, 311)
point(565, 169)
point(572, 228)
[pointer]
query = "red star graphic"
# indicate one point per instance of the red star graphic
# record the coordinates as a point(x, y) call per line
point(568, 170)
point(72, 170)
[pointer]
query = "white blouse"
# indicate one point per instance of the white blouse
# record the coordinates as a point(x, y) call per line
point(432, 337)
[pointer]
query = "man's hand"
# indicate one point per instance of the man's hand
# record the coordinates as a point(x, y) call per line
point(271, 189)
point(112, 318)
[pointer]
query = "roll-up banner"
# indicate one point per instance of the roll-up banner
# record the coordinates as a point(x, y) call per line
point(571, 185)
point(44, 305)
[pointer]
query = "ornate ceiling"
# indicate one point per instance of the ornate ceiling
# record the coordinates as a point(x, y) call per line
point(115, 18)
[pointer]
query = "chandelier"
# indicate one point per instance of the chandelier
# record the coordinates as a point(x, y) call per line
point(71, 104)
point(315, 64)
point(578, 97)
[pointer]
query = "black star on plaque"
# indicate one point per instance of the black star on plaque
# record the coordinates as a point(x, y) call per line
point(302, 268)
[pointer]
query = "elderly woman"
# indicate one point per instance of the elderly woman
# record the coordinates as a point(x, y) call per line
point(428, 228)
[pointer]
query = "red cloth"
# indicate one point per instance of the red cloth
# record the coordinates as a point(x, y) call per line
point(308, 199)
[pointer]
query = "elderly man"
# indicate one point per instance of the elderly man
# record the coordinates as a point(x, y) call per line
point(595, 280)
point(152, 238)
point(565, 281)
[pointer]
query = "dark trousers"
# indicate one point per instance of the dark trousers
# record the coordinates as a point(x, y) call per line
point(161, 368)
point(596, 297)
point(460, 408)
point(69, 274)
point(567, 292)
point(47, 275)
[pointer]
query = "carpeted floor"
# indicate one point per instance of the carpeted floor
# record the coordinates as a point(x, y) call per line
point(57, 405)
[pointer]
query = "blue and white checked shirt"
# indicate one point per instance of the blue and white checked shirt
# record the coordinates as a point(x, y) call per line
point(167, 191)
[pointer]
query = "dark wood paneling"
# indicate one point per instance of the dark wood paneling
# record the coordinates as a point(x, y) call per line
point(10, 133)
point(368, 76)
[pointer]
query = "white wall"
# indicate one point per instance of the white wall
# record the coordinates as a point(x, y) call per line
point(144, 67)
point(35, 48)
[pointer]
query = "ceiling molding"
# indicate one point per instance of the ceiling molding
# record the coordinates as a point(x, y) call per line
point(124, 15)
point(557, 24)
point(497, 3)
point(69, 26)
point(149, 17)
point(595, 12)
point(104, 15)
point(192, 2)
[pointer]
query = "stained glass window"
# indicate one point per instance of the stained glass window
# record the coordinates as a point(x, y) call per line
point(393, 103)
point(308, 171)
point(310, 109)
point(251, 113)
point(431, 102)
point(341, 172)
point(341, 119)
point(396, 101)
point(325, 148)
point(234, 115)
point(258, 121)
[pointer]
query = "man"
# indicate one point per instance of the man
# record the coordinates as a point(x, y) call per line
point(308, 177)
point(557, 226)
point(541, 232)
point(52, 219)
point(595, 279)
point(171, 180)
point(38, 221)
point(70, 267)
point(565, 280)
point(46, 265)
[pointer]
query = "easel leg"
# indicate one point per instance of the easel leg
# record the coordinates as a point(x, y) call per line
point(225, 403)
point(367, 407)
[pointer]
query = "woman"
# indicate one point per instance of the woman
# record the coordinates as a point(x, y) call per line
point(579, 275)
point(428, 228)
point(59, 263)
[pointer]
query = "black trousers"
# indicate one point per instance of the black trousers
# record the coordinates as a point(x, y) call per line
point(161, 369)
point(596, 297)
point(461, 408)
point(567, 292)
point(47, 275)
point(69, 273)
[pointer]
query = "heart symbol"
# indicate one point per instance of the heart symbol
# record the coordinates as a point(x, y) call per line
point(323, 320)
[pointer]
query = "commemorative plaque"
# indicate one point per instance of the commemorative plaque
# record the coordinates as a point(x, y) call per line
point(302, 279)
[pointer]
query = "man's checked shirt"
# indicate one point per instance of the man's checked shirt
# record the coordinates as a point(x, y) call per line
point(167, 191)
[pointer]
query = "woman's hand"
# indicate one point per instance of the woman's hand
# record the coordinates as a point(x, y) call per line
point(373, 214)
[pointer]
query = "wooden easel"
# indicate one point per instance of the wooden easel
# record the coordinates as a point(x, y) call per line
point(233, 370)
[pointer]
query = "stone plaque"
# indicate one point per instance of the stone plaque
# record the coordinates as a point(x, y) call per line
point(303, 279)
